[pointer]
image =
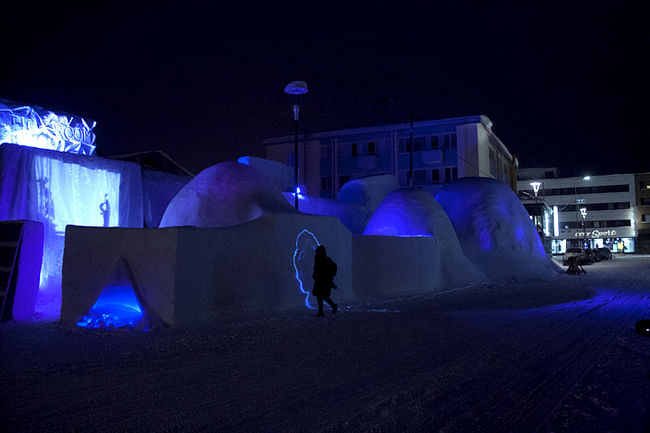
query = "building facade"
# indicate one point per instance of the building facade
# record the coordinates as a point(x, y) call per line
point(437, 150)
point(593, 212)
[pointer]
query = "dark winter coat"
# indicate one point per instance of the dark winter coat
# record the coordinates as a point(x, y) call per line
point(323, 279)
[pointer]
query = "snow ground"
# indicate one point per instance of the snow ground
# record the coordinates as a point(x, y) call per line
point(556, 355)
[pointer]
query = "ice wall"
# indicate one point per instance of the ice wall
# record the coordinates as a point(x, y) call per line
point(223, 195)
point(494, 229)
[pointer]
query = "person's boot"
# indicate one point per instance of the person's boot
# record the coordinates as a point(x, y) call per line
point(320, 314)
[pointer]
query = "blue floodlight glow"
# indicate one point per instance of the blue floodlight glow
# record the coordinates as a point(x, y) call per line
point(116, 307)
point(304, 240)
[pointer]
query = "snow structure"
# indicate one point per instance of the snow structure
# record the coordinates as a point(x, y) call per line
point(353, 216)
point(247, 249)
point(494, 229)
point(409, 246)
point(224, 195)
point(368, 191)
point(185, 274)
point(280, 174)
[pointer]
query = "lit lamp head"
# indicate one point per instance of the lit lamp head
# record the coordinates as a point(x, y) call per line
point(296, 89)
point(583, 212)
point(536, 185)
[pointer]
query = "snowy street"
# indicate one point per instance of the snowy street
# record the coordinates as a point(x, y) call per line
point(559, 355)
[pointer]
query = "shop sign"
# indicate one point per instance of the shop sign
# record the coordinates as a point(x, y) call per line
point(596, 234)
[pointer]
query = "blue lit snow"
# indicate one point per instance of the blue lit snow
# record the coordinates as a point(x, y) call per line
point(116, 307)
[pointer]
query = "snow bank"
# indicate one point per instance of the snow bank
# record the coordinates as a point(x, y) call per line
point(494, 229)
point(223, 195)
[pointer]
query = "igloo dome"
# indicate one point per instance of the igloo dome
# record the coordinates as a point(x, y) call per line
point(224, 195)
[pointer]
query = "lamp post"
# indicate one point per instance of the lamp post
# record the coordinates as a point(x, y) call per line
point(575, 193)
point(296, 89)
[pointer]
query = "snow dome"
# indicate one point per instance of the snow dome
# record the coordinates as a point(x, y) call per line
point(413, 213)
point(494, 228)
point(223, 195)
point(368, 191)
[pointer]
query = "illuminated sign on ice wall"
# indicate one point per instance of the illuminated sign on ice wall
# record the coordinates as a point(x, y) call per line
point(34, 126)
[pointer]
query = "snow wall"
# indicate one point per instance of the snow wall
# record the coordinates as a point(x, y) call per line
point(184, 274)
point(409, 246)
point(353, 216)
point(494, 229)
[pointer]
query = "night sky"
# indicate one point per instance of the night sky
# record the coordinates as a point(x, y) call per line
point(565, 86)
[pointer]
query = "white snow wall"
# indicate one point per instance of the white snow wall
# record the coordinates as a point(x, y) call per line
point(185, 274)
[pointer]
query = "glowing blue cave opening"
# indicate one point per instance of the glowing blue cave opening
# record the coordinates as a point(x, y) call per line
point(306, 241)
point(116, 307)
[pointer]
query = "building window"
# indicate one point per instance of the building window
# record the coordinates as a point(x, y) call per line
point(326, 183)
point(325, 151)
point(403, 178)
point(420, 143)
point(404, 145)
point(454, 144)
point(420, 177)
point(645, 201)
point(451, 173)
point(493, 162)
point(435, 175)
point(645, 218)
point(434, 142)
point(354, 149)
point(290, 159)
point(371, 148)
point(645, 185)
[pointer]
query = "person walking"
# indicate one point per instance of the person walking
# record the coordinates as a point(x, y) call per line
point(324, 271)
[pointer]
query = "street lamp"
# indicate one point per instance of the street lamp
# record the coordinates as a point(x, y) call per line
point(575, 192)
point(296, 89)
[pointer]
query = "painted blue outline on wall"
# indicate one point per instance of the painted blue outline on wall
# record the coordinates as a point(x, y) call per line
point(297, 254)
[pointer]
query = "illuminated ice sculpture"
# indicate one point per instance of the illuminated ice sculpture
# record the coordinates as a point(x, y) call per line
point(33, 126)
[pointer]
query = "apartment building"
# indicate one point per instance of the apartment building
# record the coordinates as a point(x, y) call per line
point(434, 151)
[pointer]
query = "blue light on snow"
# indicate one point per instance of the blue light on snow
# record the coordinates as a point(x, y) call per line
point(116, 307)
point(304, 240)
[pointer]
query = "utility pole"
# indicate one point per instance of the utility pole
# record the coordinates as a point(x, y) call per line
point(411, 152)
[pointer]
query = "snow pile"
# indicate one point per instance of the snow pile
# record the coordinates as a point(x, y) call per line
point(353, 216)
point(223, 195)
point(494, 229)
point(369, 191)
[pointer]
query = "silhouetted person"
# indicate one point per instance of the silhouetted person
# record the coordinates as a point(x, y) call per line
point(324, 271)
point(574, 268)
point(105, 210)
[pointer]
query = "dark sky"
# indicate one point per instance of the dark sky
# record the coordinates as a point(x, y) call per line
point(565, 86)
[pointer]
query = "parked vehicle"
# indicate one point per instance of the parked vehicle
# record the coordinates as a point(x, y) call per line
point(591, 256)
point(605, 253)
point(578, 253)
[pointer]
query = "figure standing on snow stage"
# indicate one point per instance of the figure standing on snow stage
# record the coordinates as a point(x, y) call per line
point(324, 271)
